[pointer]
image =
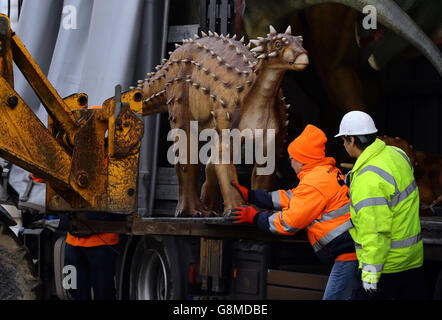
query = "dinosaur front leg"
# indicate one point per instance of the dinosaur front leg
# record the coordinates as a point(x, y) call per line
point(263, 174)
point(210, 191)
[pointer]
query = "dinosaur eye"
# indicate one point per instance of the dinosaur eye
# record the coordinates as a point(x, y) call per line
point(278, 44)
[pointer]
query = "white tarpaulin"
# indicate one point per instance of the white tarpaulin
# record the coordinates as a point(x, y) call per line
point(85, 46)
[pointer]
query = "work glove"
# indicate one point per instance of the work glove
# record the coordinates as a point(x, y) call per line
point(370, 288)
point(243, 214)
point(243, 191)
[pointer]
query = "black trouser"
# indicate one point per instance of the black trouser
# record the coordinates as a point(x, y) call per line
point(405, 285)
point(95, 268)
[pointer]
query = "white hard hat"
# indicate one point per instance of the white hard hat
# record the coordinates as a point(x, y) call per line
point(356, 123)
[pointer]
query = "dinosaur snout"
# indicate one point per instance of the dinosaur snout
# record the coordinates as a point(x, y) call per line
point(301, 62)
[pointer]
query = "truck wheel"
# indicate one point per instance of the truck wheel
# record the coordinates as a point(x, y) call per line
point(154, 273)
point(17, 274)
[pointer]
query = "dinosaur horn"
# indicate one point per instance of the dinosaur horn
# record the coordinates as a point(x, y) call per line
point(289, 30)
point(272, 30)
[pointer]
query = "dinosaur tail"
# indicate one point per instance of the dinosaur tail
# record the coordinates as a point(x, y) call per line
point(154, 93)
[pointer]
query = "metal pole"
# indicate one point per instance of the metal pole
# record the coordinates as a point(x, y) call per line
point(153, 179)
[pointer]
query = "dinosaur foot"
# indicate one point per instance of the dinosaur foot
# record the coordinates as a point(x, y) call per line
point(195, 213)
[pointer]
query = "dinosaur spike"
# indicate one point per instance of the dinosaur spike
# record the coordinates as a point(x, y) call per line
point(287, 106)
point(272, 30)
point(205, 90)
point(131, 88)
point(140, 81)
point(203, 34)
point(242, 39)
point(262, 56)
point(234, 37)
point(249, 45)
point(261, 39)
point(196, 36)
point(240, 88)
point(216, 35)
point(286, 123)
point(238, 70)
point(196, 85)
point(273, 54)
point(283, 98)
point(210, 33)
point(212, 53)
point(199, 45)
point(228, 66)
point(223, 103)
point(255, 42)
point(213, 114)
point(238, 52)
point(289, 30)
point(228, 115)
point(213, 96)
point(228, 36)
point(231, 44)
point(220, 60)
point(170, 99)
point(170, 53)
point(257, 49)
point(177, 45)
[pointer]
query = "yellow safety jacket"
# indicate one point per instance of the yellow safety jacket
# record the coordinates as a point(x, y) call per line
point(384, 210)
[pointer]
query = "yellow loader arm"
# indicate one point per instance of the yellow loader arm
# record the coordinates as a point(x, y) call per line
point(87, 157)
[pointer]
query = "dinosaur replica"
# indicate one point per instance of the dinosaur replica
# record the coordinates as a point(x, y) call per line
point(223, 84)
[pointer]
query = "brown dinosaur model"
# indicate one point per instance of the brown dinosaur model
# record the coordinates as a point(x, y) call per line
point(221, 83)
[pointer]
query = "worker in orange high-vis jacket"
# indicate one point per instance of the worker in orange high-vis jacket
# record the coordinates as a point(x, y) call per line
point(93, 257)
point(319, 203)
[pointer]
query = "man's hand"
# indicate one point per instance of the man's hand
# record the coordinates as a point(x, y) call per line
point(370, 288)
point(243, 214)
point(243, 191)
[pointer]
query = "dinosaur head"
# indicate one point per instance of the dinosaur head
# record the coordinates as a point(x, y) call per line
point(281, 50)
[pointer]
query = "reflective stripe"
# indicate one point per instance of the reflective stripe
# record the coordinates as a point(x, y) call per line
point(404, 194)
point(403, 154)
point(398, 244)
point(335, 213)
point(289, 194)
point(272, 226)
point(285, 226)
point(372, 267)
point(332, 235)
point(379, 201)
point(276, 200)
point(331, 215)
point(381, 172)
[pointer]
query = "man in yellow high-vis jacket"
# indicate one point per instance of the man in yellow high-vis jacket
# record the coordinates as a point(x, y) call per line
point(384, 208)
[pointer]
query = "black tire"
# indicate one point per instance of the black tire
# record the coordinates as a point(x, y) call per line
point(17, 273)
point(155, 270)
